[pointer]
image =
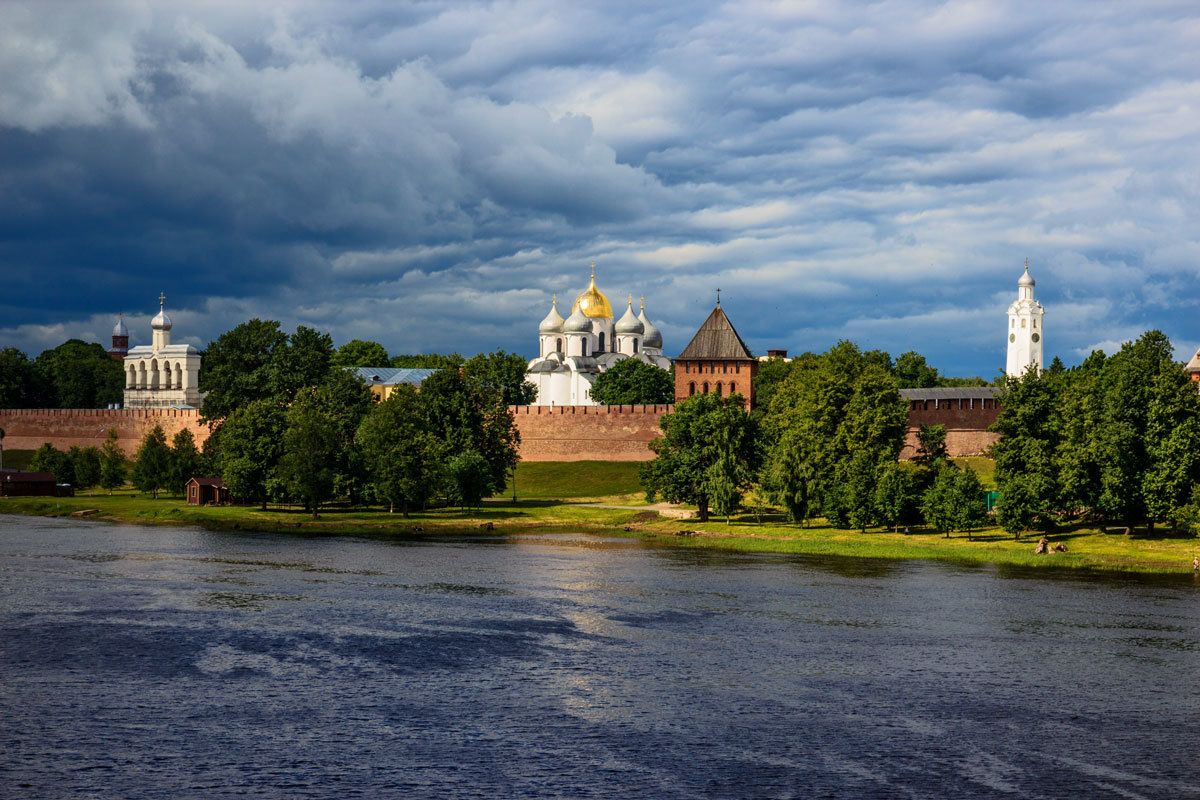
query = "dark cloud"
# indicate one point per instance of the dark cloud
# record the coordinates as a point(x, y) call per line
point(428, 174)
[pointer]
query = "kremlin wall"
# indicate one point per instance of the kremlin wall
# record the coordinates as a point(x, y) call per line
point(548, 433)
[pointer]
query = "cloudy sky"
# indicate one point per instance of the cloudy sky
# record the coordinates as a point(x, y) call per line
point(428, 174)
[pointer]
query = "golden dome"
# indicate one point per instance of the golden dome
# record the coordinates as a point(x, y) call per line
point(592, 301)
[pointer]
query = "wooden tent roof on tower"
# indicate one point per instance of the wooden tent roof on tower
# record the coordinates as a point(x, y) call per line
point(717, 339)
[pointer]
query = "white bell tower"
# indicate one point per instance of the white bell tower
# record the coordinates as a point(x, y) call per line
point(1025, 330)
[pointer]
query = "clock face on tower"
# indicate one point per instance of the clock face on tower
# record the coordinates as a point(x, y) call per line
point(1012, 337)
point(1036, 338)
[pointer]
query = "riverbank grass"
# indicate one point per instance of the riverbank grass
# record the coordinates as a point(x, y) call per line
point(1087, 548)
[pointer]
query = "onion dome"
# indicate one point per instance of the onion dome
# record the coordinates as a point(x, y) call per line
point(1026, 278)
point(161, 321)
point(593, 302)
point(553, 323)
point(652, 336)
point(119, 329)
point(578, 322)
point(629, 324)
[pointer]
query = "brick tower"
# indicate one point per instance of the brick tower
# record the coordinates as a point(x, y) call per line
point(716, 360)
point(120, 339)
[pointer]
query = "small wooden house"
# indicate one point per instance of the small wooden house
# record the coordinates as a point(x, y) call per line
point(207, 492)
point(28, 484)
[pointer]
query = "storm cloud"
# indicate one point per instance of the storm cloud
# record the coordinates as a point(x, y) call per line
point(428, 174)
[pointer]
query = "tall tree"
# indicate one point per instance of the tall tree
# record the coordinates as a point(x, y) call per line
point(467, 476)
point(152, 467)
point(467, 415)
point(251, 443)
point(897, 500)
point(310, 446)
point(237, 368)
point(81, 375)
point(913, 373)
point(21, 384)
point(1026, 469)
point(86, 464)
point(405, 460)
point(504, 373)
point(359, 353)
point(301, 363)
point(185, 462)
point(347, 400)
point(633, 382)
point(706, 455)
point(112, 463)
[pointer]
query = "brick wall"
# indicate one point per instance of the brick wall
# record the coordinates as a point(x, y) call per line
point(29, 429)
point(966, 425)
point(588, 433)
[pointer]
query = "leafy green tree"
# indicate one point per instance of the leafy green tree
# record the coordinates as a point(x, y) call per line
point(1079, 455)
point(81, 375)
point(359, 353)
point(706, 456)
point(834, 425)
point(504, 373)
point(250, 446)
point(347, 400)
point(771, 373)
point(913, 373)
point(185, 462)
point(954, 501)
point(1025, 455)
point(48, 458)
point(404, 459)
point(469, 479)
point(310, 445)
point(897, 501)
point(152, 467)
point(931, 444)
point(237, 368)
point(633, 382)
point(21, 384)
point(112, 463)
point(466, 415)
point(1172, 445)
point(86, 464)
point(303, 362)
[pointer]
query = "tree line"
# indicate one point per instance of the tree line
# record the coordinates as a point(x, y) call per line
point(76, 374)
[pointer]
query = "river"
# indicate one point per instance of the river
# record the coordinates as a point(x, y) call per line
point(143, 662)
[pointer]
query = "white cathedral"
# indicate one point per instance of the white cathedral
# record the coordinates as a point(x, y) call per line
point(160, 374)
point(572, 352)
point(1025, 329)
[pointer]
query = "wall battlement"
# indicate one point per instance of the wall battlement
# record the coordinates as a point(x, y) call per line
point(30, 428)
point(588, 433)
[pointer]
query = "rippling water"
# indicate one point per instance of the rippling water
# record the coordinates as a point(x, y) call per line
point(173, 662)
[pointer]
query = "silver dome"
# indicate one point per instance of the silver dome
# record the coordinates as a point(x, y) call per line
point(652, 336)
point(553, 323)
point(578, 322)
point(628, 323)
point(119, 329)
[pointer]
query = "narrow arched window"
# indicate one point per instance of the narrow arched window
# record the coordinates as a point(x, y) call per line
point(706, 387)
point(583, 343)
point(737, 367)
point(733, 388)
point(178, 376)
point(600, 349)
point(558, 345)
point(691, 388)
point(718, 388)
point(635, 347)
point(687, 368)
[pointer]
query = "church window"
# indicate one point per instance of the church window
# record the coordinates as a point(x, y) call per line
point(1035, 324)
point(1022, 323)
point(558, 345)
point(583, 343)
point(178, 376)
point(600, 349)
point(691, 388)
point(635, 347)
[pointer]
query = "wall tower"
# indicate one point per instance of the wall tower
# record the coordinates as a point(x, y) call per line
point(1025, 329)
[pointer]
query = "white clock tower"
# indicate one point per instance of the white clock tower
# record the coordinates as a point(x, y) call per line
point(1025, 330)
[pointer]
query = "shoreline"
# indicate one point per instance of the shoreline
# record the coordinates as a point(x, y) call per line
point(1088, 550)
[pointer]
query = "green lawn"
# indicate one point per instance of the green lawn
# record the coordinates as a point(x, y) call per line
point(577, 480)
point(1087, 548)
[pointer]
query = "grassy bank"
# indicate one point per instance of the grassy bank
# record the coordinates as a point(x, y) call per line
point(1087, 548)
point(606, 481)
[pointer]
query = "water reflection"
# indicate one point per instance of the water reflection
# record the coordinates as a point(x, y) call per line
point(144, 662)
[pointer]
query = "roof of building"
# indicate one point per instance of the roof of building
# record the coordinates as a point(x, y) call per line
point(120, 329)
point(217, 482)
point(28, 477)
point(1194, 364)
point(592, 301)
point(717, 339)
point(578, 322)
point(553, 323)
point(652, 336)
point(629, 323)
point(951, 393)
point(391, 376)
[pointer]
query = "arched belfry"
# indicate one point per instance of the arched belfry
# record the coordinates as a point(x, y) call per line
point(161, 374)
